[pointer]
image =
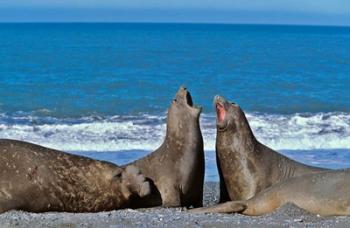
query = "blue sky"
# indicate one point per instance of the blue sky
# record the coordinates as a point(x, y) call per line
point(323, 12)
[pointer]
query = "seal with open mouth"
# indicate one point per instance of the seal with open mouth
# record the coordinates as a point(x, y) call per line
point(176, 168)
point(245, 165)
point(38, 179)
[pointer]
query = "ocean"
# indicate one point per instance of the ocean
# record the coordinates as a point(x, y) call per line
point(102, 90)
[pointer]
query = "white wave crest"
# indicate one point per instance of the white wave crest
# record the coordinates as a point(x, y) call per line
point(145, 132)
point(110, 134)
point(302, 131)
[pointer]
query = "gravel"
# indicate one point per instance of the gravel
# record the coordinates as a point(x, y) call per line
point(286, 216)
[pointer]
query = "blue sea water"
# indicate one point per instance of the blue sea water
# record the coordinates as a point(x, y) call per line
point(102, 90)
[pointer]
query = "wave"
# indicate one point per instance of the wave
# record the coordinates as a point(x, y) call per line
point(146, 132)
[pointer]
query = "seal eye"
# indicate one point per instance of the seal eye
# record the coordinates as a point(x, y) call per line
point(175, 100)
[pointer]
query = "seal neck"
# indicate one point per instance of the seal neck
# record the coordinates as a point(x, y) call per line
point(239, 138)
point(182, 131)
point(185, 134)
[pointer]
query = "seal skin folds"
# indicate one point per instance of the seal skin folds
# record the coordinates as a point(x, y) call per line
point(325, 193)
point(246, 167)
point(176, 168)
point(38, 179)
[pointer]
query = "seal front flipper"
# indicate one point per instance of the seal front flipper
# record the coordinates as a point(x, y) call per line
point(170, 196)
point(135, 182)
point(228, 207)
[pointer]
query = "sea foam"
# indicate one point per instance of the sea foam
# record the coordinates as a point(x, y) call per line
point(299, 131)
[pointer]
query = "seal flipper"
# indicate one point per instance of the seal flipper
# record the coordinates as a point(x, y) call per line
point(136, 181)
point(171, 195)
point(228, 207)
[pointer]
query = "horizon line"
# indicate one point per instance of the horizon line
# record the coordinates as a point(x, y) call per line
point(172, 22)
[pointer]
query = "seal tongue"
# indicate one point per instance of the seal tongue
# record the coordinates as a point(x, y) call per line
point(220, 112)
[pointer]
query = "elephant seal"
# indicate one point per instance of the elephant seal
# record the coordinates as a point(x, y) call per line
point(246, 166)
point(324, 193)
point(176, 168)
point(38, 179)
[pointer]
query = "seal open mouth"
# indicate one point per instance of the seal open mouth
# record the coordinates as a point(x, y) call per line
point(220, 112)
point(184, 98)
point(221, 106)
point(189, 100)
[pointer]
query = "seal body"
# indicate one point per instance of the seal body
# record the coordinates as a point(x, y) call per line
point(245, 165)
point(176, 168)
point(38, 179)
point(325, 193)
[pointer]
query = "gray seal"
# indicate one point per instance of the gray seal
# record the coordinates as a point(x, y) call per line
point(324, 193)
point(176, 168)
point(38, 179)
point(245, 165)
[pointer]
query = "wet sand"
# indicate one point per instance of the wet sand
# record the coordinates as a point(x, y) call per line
point(286, 216)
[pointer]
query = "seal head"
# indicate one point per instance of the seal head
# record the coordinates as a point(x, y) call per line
point(230, 117)
point(182, 110)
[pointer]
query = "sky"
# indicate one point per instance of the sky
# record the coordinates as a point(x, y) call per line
point(313, 12)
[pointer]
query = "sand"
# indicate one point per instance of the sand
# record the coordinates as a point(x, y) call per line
point(286, 216)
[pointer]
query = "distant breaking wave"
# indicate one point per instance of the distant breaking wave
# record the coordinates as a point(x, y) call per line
point(146, 132)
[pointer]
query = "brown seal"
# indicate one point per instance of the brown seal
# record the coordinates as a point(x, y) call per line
point(325, 193)
point(38, 179)
point(176, 168)
point(246, 166)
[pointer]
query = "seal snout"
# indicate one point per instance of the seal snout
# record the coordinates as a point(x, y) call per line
point(181, 93)
point(219, 99)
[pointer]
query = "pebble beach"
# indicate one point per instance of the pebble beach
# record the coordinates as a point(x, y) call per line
point(286, 216)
